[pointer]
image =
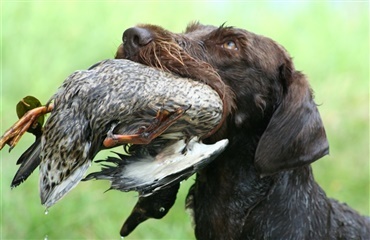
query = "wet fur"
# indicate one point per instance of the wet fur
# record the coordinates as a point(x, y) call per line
point(262, 186)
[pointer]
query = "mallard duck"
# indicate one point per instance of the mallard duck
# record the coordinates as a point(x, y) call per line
point(158, 115)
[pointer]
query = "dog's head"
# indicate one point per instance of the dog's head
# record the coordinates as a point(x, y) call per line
point(263, 93)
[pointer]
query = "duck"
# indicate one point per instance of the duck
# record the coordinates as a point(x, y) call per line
point(161, 118)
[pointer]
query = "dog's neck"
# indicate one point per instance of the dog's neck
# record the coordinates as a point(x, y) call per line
point(227, 191)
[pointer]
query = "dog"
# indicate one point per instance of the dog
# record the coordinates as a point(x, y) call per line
point(261, 186)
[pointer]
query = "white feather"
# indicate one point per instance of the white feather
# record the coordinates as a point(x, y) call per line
point(171, 160)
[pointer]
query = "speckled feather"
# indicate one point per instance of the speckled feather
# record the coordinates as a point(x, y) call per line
point(112, 93)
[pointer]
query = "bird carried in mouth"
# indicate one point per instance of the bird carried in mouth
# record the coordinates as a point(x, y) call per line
point(161, 117)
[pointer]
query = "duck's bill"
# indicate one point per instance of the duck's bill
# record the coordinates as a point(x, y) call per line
point(146, 174)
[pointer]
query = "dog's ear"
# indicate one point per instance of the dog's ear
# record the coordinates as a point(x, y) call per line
point(295, 135)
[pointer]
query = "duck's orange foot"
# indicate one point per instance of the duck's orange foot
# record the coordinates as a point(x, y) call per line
point(161, 123)
point(15, 132)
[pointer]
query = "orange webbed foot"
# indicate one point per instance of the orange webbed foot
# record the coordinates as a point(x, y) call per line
point(15, 132)
point(163, 120)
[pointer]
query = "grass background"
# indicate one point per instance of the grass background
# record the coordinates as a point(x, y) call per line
point(43, 42)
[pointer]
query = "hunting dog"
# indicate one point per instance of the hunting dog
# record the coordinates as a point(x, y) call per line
point(261, 186)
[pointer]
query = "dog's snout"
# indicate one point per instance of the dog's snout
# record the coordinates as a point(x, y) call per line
point(136, 37)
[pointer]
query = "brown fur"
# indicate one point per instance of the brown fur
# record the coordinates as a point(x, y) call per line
point(262, 186)
point(167, 55)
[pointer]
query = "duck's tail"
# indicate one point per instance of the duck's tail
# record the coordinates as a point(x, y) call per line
point(29, 161)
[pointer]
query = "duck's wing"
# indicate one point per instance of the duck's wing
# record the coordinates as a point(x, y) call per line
point(147, 174)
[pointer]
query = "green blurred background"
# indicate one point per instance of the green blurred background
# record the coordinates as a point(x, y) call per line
point(43, 42)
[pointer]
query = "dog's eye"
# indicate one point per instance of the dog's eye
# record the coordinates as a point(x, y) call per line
point(230, 45)
point(181, 43)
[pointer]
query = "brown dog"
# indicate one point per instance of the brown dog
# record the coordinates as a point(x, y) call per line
point(262, 186)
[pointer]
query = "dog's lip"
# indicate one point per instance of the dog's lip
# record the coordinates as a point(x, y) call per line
point(127, 52)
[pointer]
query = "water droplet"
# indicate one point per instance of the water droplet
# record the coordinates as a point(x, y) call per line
point(46, 211)
point(162, 209)
point(122, 237)
point(46, 237)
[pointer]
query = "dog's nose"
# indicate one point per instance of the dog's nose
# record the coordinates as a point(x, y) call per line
point(136, 37)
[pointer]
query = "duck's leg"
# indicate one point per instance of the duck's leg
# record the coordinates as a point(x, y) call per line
point(15, 132)
point(162, 121)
